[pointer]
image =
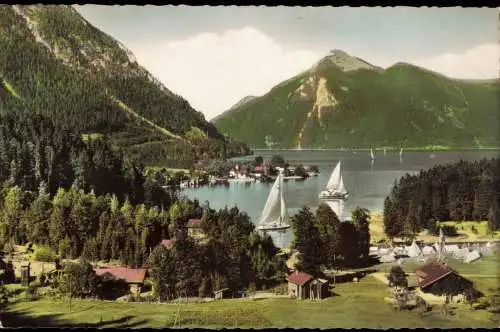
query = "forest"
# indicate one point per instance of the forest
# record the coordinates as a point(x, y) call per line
point(462, 191)
point(323, 241)
point(71, 79)
point(85, 199)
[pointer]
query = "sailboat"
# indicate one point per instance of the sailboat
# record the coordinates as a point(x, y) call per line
point(275, 216)
point(401, 155)
point(384, 151)
point(335, 188)
point(371, 154)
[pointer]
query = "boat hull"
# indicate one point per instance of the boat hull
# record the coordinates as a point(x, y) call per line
point(328, 195)
point(272, 228)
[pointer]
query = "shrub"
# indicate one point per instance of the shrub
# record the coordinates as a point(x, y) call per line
point(449, 230)
point(44, 254)
point(32, 292)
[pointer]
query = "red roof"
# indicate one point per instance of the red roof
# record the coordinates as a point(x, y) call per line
point(167, 243)
point(194, 223)
point(131, 276)
point(432, 272)
point(299, 278)
point(258, 168)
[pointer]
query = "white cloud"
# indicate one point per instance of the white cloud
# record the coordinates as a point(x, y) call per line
point(478, 62)
point(214, 71)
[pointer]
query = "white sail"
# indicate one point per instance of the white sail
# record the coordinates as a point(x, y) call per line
point(371, 154)
point(333, 182)
point(384, 151)
point(337, 206)
point(401, 152)
point(272, 209)
point(284, 213)
point(341, 188)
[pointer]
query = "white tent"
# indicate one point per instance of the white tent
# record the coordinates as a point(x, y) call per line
point(399, 251)
point(389, 258)
point(451, 248)
point(472, 256)
point(414, 250)
point(428, 250)
point(461, 253)
point(384, 251)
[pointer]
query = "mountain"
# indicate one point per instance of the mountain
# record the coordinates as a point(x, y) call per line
point(55, 63)
point(240, 103)
point(344, 101)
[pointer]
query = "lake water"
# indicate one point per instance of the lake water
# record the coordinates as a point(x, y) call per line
point(368, 182)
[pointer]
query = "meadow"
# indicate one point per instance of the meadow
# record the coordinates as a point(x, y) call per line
point(352, 305)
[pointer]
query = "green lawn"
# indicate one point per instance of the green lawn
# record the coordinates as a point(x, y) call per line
point(354, 305)
point(484, 272)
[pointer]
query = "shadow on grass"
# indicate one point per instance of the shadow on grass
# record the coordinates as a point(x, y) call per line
point(22, 318)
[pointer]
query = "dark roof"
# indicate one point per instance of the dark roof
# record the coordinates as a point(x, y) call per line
point(167, 243)
point(131, 276)
point(194, 223)
point(299, 278)
point(432, 272)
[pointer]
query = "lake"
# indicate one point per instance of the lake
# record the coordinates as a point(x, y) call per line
point(368, 182)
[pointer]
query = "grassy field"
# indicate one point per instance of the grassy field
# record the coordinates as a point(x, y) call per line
point(464, 230)
point(485, 273)
point(353, 305)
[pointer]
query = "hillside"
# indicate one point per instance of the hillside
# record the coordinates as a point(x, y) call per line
point(343, 101)
point(240, 103)
point(54, 62)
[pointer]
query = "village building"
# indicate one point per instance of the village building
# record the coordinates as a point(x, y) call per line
point(303, 286)
point(133, 277)
point(194, 228)
point(442, 282)
point(167, 243)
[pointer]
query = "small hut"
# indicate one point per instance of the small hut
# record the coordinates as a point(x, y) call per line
point(219, 294)
point(302, 286)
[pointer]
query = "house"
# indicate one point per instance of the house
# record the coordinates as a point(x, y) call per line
point(133, 277)
point(167, 243)
point(302, 286)
point(194, 228)
point(259, 169)
point(438, 279)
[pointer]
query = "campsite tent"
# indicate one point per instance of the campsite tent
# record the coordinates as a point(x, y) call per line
point(451, 248)
point(428, 250)
point(414, 250)
point(461, 253)
point(472, 256)
point(389, 258)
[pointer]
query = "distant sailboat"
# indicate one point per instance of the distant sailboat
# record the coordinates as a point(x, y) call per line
point(401, 155)
point(335, 188)
point(371, 154)
point(275, 216)
point(384, 151)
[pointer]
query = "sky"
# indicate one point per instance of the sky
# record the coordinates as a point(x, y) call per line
point(215, 56)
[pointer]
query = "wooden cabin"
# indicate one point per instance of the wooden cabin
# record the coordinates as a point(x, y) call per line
point(194, 228)
point(303, 286)
point(440, 280)
point(133, 277)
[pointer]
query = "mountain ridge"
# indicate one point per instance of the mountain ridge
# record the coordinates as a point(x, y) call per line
point(351, 103)
point(68, 61)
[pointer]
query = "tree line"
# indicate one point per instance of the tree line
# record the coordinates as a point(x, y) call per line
point(459, 191)
point(323, 241)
